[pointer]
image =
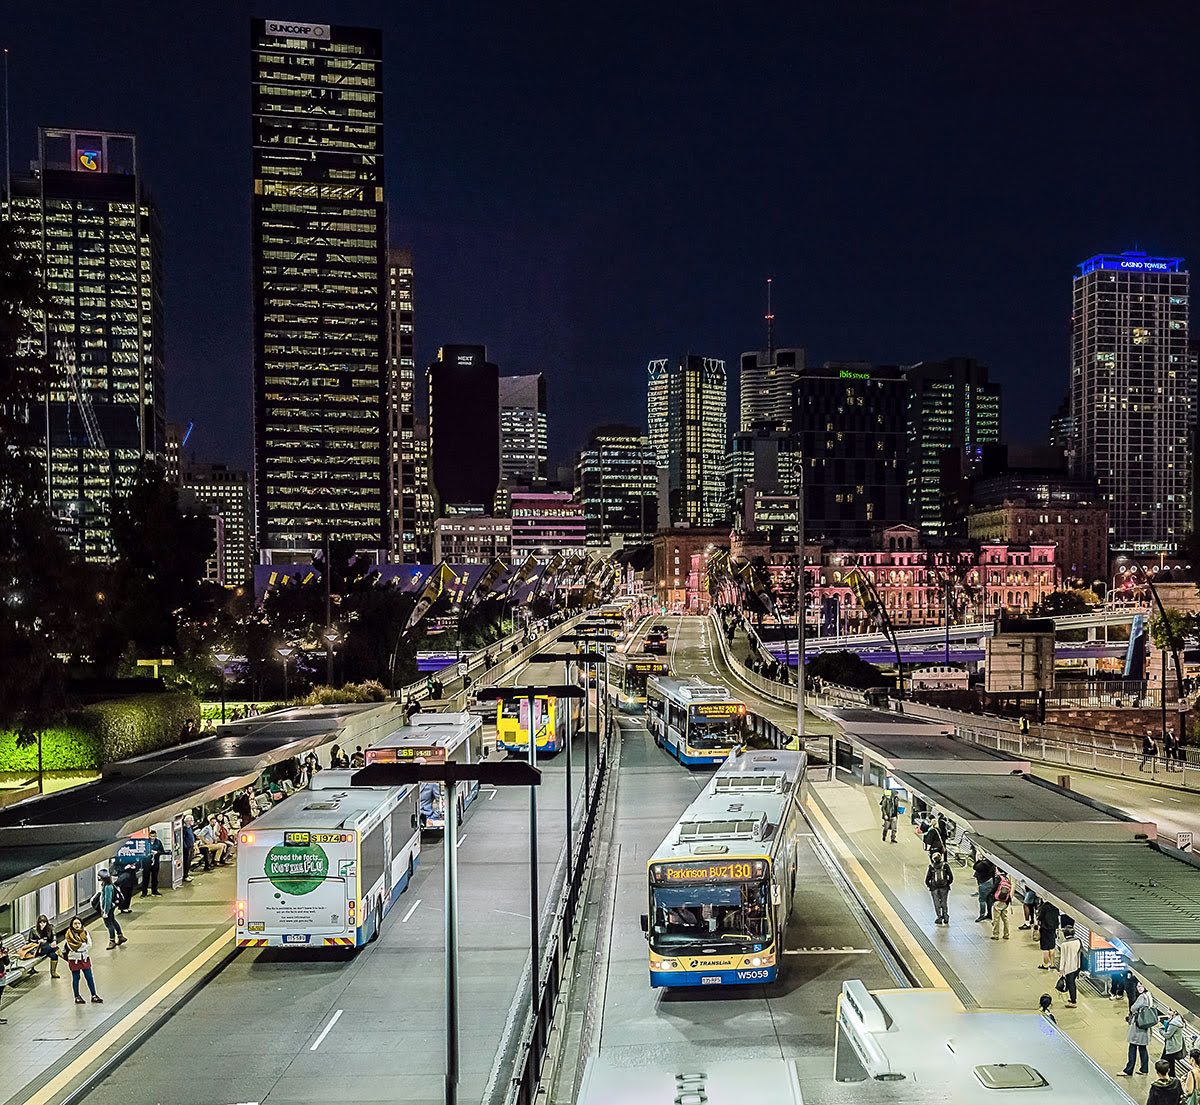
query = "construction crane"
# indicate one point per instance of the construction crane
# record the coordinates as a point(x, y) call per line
point(66, 355)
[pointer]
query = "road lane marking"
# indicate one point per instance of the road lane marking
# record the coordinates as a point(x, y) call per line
point(885, 907)
point(411, 911)
point(325, 1031)
point(523, 916)
point(829, 951)
point(462, 837)
point(52, 1091)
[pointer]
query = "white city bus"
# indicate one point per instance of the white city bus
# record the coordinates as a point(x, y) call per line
point(322, 868)
point(434, 739)
point(697, 722)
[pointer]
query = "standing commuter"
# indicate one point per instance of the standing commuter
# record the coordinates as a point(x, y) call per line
point(1165, 1089)
point(1149, 751)
point(985, 884)
point(887, 807)
point(933, 839)
point(1191, 1080)
point(108, 911)
point(79, 958)
point(1141, 1018)
point(1172, 1039)
point(1001, 903)
point(154, 854)
point(4, 961)
point(1029, 907)
point(1070, 954)
point(939, 879)
point(189, 846)
point(1047, 919)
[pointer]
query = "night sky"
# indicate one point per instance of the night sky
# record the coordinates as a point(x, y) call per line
point(589, 186)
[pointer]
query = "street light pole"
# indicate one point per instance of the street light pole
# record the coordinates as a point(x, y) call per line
point(223, 658)
point(800, 610)
point(286, 653)
point(450, 814)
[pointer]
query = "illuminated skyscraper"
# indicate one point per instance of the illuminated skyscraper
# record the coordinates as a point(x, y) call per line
point(1133, 395)
point(686, 411)
point(86, 218)
point(523, 436)
point(768, 385)
point(404, 489)
point(322, 377)
point(616, 480)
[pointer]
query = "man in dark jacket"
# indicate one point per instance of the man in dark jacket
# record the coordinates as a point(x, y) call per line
point(939, 879)
point(154, 853)
point(985, 883)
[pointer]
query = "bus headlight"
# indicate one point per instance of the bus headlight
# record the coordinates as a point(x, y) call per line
point(756, 962)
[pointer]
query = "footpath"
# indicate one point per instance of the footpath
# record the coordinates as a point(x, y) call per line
point(984, 973)
point(173, 940)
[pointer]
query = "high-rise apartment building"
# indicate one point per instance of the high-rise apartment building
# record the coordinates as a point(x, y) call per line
point(85, 217)
point(616, 481)
point(762, 458)
point(545, 523)
point(686, 414)
point(849, 427)
point(1133, 395)
point(404, 489)
point(226, 491)
point(767, 385)
point(464, 428)
point(524, 446)
point(953, 412)
point(322, 378)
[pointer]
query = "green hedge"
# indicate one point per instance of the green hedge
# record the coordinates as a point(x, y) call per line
point(369, 691)
point(94, 735)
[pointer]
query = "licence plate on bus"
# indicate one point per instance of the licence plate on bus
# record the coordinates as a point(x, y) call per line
point(295, 938)
point(710, 980)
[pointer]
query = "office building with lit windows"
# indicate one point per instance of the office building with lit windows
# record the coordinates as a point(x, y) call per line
point(849, 427)
point(464, 429)
point(686, 412)
point(1133, 395)
point(322, 371)
point(523, 434)
point(87, 221)
point(226, 492)
point(953, 412)
point(616, 481)
point(405, 488)
point(767, 385)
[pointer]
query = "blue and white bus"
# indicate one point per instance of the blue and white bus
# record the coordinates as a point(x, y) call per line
point(697, 722)
point(434, 738)
point(322, 868)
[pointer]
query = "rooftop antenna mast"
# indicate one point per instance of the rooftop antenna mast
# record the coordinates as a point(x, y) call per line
point(7, 163)
point(770, 317)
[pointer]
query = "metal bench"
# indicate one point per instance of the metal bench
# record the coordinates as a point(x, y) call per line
point(22, 957)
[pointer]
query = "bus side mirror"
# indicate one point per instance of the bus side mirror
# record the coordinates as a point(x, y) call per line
point(776, 894)
point(415, 821)
point(645, 923)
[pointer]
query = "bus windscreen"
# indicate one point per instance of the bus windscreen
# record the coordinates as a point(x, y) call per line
point(732, 914)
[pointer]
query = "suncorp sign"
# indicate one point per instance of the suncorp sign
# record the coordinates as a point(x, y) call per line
point(279, 28)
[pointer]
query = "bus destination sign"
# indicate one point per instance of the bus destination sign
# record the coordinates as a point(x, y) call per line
point(434, 754)
point(717, 709)
point(648, 667)
point(677, 874)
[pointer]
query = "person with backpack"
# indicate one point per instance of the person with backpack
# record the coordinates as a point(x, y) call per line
point(1070, 957)
point(887, 807)
point(1142, 1017)
point(1001, 903)
point(933, 839)
point(939, 878)
point(108, 910)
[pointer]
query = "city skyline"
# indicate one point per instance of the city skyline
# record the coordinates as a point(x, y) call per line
point(483, 245)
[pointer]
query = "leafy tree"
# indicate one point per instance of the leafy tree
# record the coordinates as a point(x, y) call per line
point(847, 669)
point(1059, 604)
point(1170, 632)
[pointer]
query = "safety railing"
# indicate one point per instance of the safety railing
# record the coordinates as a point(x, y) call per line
point(768, 688)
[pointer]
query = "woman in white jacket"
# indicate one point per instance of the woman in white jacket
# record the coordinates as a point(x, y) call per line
point(1070, 952)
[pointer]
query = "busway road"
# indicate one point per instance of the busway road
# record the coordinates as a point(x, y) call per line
point(827, 943)
point(283, 1027)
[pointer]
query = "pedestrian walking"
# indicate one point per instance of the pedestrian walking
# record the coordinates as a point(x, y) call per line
point(1047, 919)
point(1169, 748)
point(1070, 955)
point(1191, 1080)
point(933, 839)
point(939, 878)
point(108, 911)
point(189, 846)
point(887, 808)
point(154, 853)
point(1172, 1033)
point(1029, 907)
point(1141, 1019)
point(79, 958)
point(45, 942)
point(1001, 903)
point(1149, 751)
point(1044, 1003)
point(985, 885)
point(1165, 1089)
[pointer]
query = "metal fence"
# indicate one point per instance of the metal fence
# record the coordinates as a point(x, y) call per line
point(1109, 694)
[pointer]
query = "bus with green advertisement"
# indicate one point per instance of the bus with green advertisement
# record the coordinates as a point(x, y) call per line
point(324, 867)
